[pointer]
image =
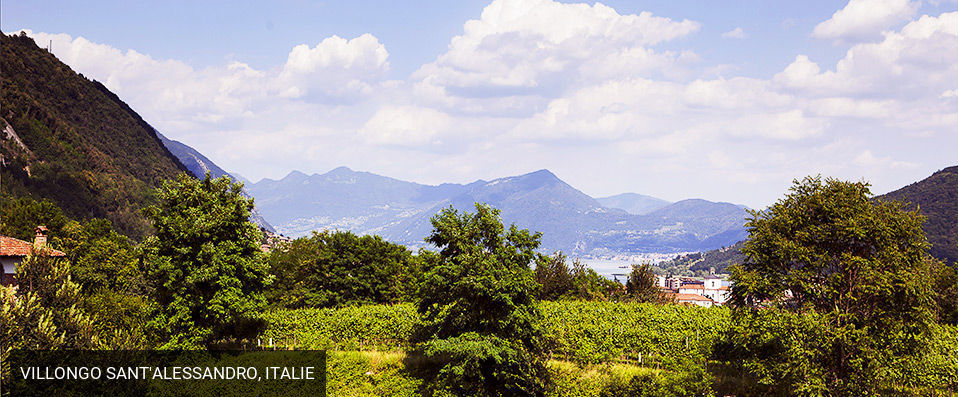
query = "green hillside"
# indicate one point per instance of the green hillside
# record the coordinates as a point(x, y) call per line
point(69, 139)
point(936, 197)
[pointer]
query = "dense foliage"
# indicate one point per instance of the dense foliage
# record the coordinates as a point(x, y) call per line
point(19, 217)
point(946, 288)
point(205, 263)
point(480, 325)
point(334, 268)
point(642, 285)
point(82, 147)
point(376, 327)
point(44, 312)
point(855, 272)
point(556, 280)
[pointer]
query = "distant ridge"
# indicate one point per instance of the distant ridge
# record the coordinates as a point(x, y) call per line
point(569, 219)
point(633, 203)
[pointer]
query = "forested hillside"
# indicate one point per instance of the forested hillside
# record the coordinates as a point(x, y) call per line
point(936, 197)
point(69, 139)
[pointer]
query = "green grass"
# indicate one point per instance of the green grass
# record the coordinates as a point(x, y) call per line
point(374, 373)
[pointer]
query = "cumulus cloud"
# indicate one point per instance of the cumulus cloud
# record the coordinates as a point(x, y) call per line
point(865, 19)
point(541, 47)
point(914, 62)
point(736, 33)
point(335, 68)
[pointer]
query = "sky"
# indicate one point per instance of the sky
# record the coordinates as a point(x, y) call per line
point(726, 101)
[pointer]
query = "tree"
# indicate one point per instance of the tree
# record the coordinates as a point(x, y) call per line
point(333, 268)
point(857, 271)
point(22, 215)
point(946, 287)
point(107, 267)
point(553, 276)
point(205, 263)
point(558, 281)
point(587, 284)
point(642, 285)
point(477, 301)
point(43, 311)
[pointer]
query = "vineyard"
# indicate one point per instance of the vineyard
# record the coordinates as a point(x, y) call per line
point(583, 341)
point(585, 332)
point(368, 327)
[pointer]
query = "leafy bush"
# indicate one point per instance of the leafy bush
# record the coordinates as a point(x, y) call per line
point(333, 268)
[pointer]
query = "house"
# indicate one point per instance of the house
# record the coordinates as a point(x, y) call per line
point(671, 283)
point(715, 289)
point(12, 252)
point(693, 299)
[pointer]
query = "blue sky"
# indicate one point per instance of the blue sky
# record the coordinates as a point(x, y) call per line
point(725, 101)
point(205, 33)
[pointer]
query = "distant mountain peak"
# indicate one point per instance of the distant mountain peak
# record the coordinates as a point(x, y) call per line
point(295, 175)
point(341, 170)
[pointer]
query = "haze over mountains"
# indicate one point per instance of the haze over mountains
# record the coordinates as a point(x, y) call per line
point(633, 203)
point(570, 220)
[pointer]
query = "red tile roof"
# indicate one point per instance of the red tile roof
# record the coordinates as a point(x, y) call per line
point(692, 286)
point(10, 246)
point(691, 297)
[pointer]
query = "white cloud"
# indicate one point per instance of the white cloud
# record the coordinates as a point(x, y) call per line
point(180, 96)
point(540, 47)
point(579, 89)
point(911, 63)
point(736, 33)
point(865, 19)
point(405, 126)
point(335, 68)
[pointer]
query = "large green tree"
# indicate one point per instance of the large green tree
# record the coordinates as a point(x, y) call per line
point(333, 268)
point(205, 262)
point(856, 272)
point(480, 325)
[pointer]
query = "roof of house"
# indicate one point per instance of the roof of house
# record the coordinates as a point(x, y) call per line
point(692, 286)
point(691, 297)
point(10, 246)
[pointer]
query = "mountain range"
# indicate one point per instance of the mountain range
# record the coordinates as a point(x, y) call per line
point(569, 219)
